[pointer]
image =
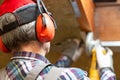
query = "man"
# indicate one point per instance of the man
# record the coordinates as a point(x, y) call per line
point(27, 35)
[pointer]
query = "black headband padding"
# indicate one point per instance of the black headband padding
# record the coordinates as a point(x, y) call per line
point(7, 28)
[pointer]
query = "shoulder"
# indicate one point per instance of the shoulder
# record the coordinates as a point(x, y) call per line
point(74, 74)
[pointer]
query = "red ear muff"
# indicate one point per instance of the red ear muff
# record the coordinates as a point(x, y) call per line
point(2, 46)
point(45, 29)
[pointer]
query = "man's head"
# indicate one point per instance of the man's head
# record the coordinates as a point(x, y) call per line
point(25, 22)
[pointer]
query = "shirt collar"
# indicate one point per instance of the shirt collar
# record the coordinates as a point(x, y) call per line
point(29, 56)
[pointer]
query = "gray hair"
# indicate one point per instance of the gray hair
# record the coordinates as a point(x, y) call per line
point(21, 34)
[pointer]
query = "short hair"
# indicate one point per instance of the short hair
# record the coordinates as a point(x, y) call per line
point(19, 35)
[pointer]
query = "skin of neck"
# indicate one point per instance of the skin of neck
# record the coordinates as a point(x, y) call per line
point(35, 47)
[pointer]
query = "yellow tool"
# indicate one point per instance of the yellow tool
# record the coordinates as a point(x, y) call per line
point(93, 73)
point(91, 50)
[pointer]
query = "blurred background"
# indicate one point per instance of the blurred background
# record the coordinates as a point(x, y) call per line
point(68, 27)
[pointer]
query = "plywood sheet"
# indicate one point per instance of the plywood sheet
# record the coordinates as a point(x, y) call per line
point(107, 23)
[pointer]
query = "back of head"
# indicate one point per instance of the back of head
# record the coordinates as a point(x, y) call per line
point(22, 21)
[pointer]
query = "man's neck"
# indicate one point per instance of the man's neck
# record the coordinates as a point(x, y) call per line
point(34, 47)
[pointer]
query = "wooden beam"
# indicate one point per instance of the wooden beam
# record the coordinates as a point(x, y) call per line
point(86, 20)
point(105, 4)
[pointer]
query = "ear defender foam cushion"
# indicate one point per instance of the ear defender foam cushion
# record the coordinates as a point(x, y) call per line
point(3, 47)
point(45, 29)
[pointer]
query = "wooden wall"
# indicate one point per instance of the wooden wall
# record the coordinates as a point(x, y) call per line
point(107, 21)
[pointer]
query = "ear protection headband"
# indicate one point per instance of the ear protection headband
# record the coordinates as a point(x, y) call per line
point(45, 24)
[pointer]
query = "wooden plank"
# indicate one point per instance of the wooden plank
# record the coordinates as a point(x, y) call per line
point(103, 4)
point(86, 20)
point(105, 0)
point(107, 4)
point(107, 23)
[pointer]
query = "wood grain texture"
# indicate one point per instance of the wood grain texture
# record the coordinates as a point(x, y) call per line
point(107, 23)
point(86, 20)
